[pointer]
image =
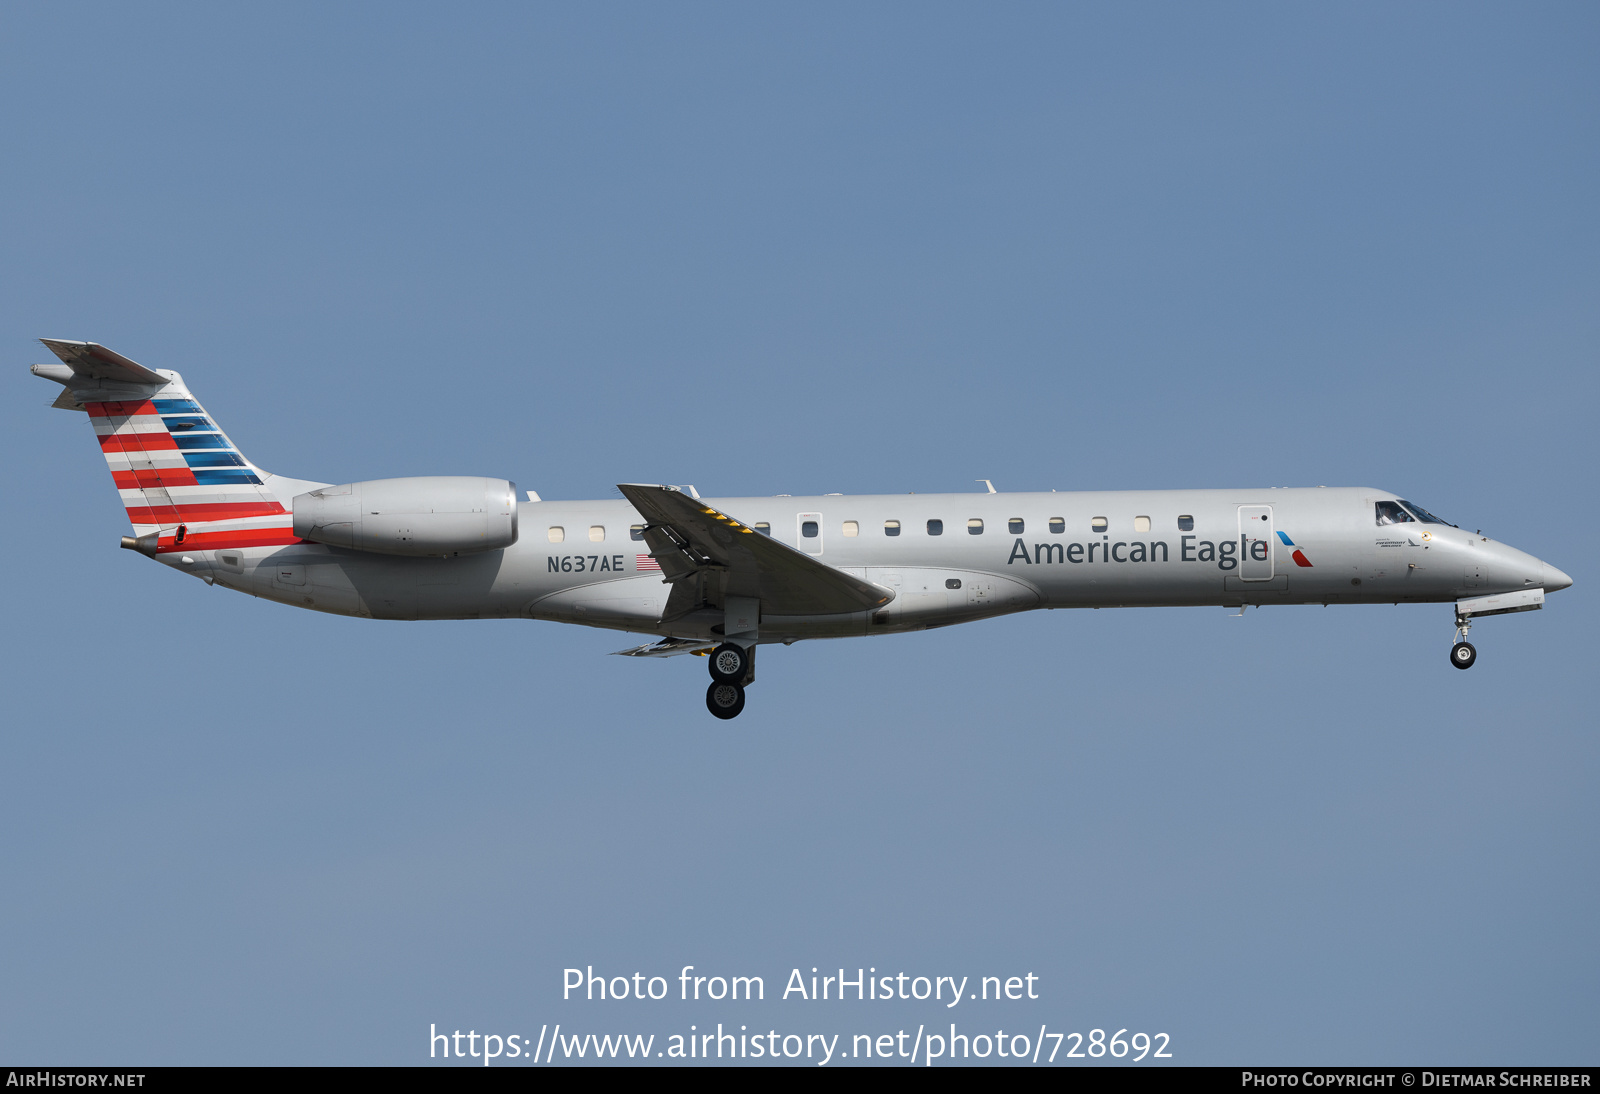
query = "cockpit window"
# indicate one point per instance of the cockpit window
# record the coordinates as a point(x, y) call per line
point(1422, 514)
point(1390, 513)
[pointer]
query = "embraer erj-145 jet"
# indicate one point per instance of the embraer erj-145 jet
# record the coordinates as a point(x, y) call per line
point(720, 576)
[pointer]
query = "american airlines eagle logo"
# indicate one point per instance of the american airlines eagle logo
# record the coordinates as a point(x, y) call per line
point(1299, 556)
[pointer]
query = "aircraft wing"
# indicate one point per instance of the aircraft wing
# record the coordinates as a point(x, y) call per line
point(90, 359)
point(708, 555)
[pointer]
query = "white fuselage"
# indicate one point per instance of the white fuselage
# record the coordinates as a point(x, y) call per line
point(578, 561)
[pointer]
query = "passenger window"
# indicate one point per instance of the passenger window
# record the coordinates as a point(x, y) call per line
point(557, 533)
point(936, 527)
point(597, 533)
point(1185, 523)
point(764, 528)
point(952, 583)
point(974, 527)
point(1099, 524)
point(1141, 524)
point(1014, 526)
point(809, 529)
point(1391, 513)
point(636, 531)
point(851, 528)
point(1058, 525)
point(891, 528)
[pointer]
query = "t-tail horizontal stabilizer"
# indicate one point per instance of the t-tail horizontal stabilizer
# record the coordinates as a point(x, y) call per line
point(96, 362)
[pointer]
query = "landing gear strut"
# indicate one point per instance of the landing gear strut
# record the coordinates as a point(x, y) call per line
point(733, 664)
point(1463, 653)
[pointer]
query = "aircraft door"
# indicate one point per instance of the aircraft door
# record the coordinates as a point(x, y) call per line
point(1255, 542)
point(809, 529)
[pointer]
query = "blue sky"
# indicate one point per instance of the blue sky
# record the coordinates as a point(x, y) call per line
point(839, 248)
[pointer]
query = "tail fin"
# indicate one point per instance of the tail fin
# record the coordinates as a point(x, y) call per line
point(186, 486)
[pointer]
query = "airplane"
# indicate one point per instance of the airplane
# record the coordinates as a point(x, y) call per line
point(720, 577)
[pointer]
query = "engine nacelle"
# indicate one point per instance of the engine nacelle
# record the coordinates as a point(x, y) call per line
point(427, 516)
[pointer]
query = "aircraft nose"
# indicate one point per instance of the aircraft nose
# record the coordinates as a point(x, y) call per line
point(1554, 579)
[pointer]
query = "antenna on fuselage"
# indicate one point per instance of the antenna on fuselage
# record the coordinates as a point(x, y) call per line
point(989, 484)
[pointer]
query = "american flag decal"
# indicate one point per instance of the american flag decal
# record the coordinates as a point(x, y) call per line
point(646, 564)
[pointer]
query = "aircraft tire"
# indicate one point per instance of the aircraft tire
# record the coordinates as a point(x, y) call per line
point(725, 700)
point(1463, 654)
point(728, 663)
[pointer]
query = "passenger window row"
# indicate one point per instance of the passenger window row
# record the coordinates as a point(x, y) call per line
point(1014, 526)
point(597, 533)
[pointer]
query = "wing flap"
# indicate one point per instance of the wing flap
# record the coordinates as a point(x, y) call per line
point(691, 540)
point(667, 647)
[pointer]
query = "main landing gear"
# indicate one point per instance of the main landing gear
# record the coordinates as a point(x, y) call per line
point(732, 668)
point(1463, 653)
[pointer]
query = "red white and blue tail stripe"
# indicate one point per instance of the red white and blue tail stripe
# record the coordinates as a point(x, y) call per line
point(178, 474)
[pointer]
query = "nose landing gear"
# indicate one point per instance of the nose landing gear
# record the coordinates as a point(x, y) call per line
point(1463, 653)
